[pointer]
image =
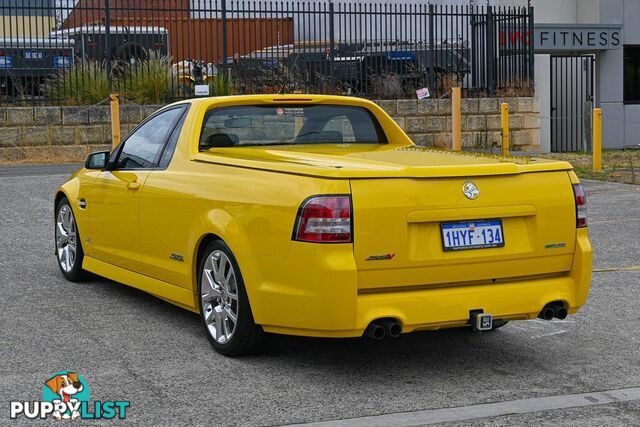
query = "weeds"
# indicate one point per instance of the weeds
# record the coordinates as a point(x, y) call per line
point(515, 88)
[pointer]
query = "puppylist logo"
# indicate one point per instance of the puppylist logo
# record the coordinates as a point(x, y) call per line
point(66, 396)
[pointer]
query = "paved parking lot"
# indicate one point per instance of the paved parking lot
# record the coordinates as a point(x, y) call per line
point(131, 346)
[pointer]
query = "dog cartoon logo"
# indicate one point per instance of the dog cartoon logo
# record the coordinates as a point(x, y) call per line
point(69, 388)
point(66, 396)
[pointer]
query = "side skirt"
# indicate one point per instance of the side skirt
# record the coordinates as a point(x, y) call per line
point(174, 294)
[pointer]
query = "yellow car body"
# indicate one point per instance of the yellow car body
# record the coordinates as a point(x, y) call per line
point(145, 228)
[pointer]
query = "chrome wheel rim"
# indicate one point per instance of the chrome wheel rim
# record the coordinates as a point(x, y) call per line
point(219, 296)
point(66, 238)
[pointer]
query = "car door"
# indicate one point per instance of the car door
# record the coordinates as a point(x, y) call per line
point(164, 224)
point(114, 200)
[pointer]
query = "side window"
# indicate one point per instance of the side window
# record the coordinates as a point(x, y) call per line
point(167, 154)
point(142, 148)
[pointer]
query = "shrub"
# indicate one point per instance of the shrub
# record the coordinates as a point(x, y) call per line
point(149, 81)
point(221, 85)
point(85, 83)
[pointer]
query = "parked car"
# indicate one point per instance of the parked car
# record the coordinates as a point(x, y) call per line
point(317, 216)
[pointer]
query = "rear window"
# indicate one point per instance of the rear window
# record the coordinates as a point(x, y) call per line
point(250, 125)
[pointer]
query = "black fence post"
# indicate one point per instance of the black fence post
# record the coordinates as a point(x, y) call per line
point(223, 17)
point(474, 49)
point(531, 46)
point(432, 51)
point(332, 47)
point(491, 52)
point(107, 40)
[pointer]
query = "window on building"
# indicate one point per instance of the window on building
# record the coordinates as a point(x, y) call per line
point(632, 74)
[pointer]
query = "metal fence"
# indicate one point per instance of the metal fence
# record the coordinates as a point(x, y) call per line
point(161, 50)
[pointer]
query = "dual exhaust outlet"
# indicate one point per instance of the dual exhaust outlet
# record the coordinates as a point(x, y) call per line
point(381, 328)
point(553, 310)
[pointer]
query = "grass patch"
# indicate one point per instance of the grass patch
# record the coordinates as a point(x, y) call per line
point(621, 166)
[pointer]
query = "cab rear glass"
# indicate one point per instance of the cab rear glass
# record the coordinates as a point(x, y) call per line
point(251, 125)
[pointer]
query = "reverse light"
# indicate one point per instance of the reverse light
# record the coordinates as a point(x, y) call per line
point(581, 206)
point(324, 219)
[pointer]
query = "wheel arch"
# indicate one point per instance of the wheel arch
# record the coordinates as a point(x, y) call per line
point(199, 249)
point(59, 196)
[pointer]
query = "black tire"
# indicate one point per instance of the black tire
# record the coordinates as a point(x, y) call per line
point(247, 337)
point(75, 273)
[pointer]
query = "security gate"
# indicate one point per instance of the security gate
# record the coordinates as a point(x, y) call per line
point(572, 100)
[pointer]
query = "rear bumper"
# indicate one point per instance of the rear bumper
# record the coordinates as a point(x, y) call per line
point(324, 302)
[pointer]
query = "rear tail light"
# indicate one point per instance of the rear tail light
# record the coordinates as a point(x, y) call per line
point(324, 219)
point(581, 206)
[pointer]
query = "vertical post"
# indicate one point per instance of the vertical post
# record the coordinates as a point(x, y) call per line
point(530, 40)
point(474, 49)
point(491, 52)
point(597, 140)
point(505, 129)
point(223, 18)
point(432, 51)
point(115, 119)
point(107, 41)
point(332, 47)
point(456, 118)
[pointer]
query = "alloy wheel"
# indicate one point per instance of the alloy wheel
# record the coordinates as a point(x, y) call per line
point(219, 296)
point(66, 238)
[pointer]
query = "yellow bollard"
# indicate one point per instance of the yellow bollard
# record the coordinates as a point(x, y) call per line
point(456, 118)
point(505, 129)
point(115, 119)
point(597, 140)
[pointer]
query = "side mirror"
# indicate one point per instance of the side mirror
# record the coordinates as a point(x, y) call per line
point(97, 160)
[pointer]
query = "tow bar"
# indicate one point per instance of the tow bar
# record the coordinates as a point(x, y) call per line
point(480, 321)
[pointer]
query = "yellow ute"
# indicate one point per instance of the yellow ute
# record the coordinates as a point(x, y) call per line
point(317, 216)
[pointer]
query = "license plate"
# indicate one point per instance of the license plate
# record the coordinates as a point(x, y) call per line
point(483, 234)
point(33, 54)
point(61, 62)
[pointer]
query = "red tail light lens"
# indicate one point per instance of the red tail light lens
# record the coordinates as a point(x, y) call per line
point(581, 206)
point(324, 219)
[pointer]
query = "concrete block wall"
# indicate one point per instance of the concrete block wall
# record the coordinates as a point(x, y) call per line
point(428, 122)
point(46, 134)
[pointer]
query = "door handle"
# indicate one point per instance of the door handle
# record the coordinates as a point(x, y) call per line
point(133, 186)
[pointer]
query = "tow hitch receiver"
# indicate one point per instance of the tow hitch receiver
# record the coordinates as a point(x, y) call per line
point(481, 321)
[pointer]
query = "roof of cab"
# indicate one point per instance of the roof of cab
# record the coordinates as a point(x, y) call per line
point(278, 98)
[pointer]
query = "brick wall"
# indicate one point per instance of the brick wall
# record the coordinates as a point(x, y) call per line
point(69, 133)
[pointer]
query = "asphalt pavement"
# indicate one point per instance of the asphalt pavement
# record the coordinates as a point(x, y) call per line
point(131, 346)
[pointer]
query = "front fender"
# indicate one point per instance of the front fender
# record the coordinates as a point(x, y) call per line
point(74, 190)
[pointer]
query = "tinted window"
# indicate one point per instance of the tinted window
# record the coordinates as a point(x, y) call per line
point(143, 147)
point(632, 74)
point(289, 124)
